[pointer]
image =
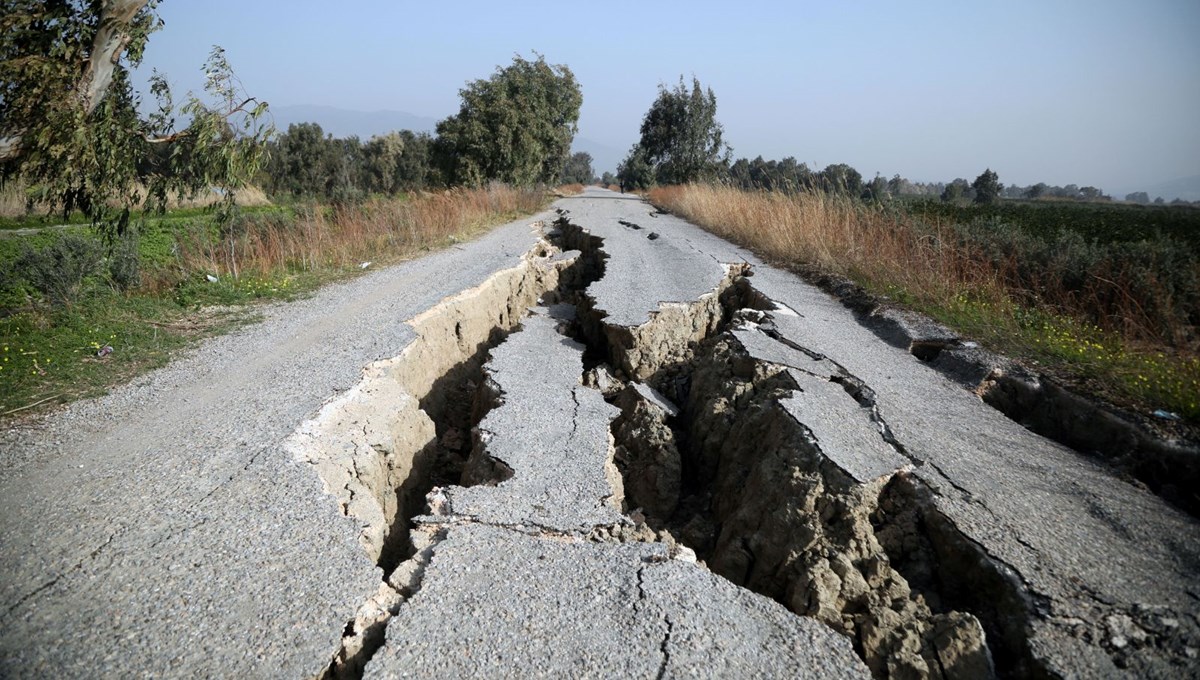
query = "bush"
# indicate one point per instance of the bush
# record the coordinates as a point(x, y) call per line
point(1148, 288)
point(124, 263)
point(59, 270)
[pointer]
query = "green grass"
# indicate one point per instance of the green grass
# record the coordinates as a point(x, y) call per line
point(179, 215)
point(52, 355)
point(35, 220)
point(48, 351)
point(1095, 222)
point(1078, 353)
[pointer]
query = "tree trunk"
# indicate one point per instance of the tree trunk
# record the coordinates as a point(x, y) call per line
point(110, 41)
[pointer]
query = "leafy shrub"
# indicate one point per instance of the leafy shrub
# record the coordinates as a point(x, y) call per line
point(1148, 287)
point(156, 245)
point(124, 263)
point(59, 270)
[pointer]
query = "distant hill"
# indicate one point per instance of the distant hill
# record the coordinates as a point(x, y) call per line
point(344, 123)
point(1187, 188)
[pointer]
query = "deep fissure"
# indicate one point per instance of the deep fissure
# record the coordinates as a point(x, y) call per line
point(683, 478)
point(409, 427)
point(710, 459)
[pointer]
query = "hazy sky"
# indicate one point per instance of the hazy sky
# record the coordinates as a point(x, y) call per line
point(1091, 92)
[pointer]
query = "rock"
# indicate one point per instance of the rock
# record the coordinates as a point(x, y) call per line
point(961, 647)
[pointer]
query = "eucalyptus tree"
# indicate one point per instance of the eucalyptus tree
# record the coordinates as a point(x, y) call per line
point(515, 127)
point(987, 187)
point(841, 178)
point(69, 123)
point(578, 169)
point(681, 139)
point(635, 172)
point(381, 156)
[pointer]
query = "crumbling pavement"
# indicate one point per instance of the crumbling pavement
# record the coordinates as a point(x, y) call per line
point(529, 564)
point(646, 453)
point(700, 422)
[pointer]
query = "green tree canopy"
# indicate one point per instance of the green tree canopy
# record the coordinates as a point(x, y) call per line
point(987, 187)
point(579, 169)
point(296, 165)
point(69, 124)
point(382, 156)
point(841, 178)
point(955, 190)
point(515, 127)
point(877, 189)
point(681, 138)
point(635, 172)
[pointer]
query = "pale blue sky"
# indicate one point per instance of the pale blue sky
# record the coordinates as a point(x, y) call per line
point(1101, 93)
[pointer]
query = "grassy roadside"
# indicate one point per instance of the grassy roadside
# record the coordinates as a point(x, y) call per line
point(55, 347)
point(1101, 340)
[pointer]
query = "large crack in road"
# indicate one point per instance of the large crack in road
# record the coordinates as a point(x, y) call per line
point(548, 485)
point(725, 439)
point(642, 453)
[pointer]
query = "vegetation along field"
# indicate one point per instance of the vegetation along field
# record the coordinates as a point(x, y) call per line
point(125, 235)
point(76, 317)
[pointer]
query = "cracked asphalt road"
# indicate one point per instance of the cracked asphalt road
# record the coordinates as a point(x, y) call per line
point(163, 530)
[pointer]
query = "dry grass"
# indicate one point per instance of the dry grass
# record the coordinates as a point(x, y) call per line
point(379, 231)
point(1101, 335)
point(838, 235)
point(570, 189)
point(246, 197)
point(885, 249)
point(12, 200)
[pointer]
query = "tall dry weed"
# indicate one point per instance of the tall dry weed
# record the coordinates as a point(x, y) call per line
point(380, 230)
point(12, 199)
point(934, 264)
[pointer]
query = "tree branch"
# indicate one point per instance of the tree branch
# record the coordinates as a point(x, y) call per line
point(167, 139)
point(111, 39)
point(112, 36)
point(10, 145)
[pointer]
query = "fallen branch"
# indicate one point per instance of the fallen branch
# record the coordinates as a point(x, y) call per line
point(28, 406)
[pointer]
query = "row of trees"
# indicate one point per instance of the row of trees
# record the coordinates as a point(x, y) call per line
point(1143, 198)
point(515, 127)
point(305, 162)
point(70, 125)
point(681, 141)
